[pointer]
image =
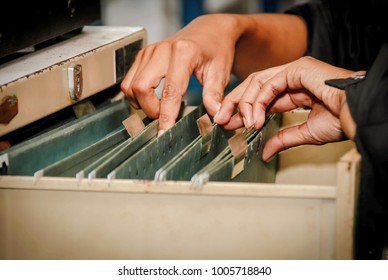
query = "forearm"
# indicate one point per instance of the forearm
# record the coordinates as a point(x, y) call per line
point(268, 40)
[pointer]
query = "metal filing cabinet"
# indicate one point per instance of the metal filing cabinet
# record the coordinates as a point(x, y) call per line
point(306, 213)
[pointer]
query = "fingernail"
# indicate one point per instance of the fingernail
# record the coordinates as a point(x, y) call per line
point(270, 158)
point(247, 122)
point(160, 132)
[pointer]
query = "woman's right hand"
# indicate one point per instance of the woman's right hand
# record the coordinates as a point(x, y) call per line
point(204, 48)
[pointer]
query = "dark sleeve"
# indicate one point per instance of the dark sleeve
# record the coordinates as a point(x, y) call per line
point(368, 104)
point(346, 33)
point(318, 19)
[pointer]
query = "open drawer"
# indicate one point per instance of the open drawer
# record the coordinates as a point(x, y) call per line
point(307, 214)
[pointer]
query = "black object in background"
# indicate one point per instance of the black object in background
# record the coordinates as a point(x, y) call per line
point(27, 23)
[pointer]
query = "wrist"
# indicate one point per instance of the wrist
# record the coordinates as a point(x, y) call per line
point(230, 25)
point(347, 122)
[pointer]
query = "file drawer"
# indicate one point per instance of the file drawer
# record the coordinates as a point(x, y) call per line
point(308, 213)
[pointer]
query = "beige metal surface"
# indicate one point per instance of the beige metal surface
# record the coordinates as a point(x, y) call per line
point(41, 224)
point(62, 218)
point(309, 164)
point(347, 193)
point(46, 72)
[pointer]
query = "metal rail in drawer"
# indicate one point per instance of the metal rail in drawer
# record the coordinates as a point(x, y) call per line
point(32, 155)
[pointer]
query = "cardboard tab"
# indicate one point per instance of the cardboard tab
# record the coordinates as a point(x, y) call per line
point(238, 146)
point(205, 127)
point(134, 125)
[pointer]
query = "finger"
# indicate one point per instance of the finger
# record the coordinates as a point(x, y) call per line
point(236, 121)
point(215, 80)
point(248, 99)
point(230, 103)
point(252, 90)
point(177, 79)
point(269, 91)
point(287, 138)
point(125, 84)
point(289, 101)
point(130, 91)
point(149, 78)
point(226, 110)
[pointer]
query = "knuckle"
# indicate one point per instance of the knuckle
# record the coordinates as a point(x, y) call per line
point(306, 59)
point(165, 118)
point(170, 93)
point(242, 106)
point(250, 77)
point(257, 80)
point(182, 45)
point(163, 45)
point(124, 88)
point(140, 87)
point(127, 92)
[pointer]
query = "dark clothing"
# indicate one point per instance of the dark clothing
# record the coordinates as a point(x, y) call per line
point(368, 103)
point(345, 33)
point(353, 35)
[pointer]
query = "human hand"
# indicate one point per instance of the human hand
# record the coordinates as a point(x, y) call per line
point(283, 88)
point(204, 48)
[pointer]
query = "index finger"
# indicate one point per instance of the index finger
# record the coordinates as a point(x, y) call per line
point(175, 85)
point(270, 90)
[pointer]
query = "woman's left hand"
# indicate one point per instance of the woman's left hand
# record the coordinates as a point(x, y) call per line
point(284, 88)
